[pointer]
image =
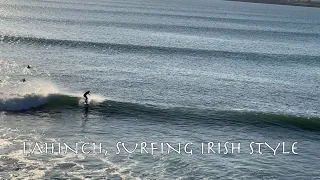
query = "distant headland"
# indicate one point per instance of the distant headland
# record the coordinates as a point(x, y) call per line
point(307, 3)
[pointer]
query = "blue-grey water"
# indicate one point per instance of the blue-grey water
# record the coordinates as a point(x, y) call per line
point(178, 71)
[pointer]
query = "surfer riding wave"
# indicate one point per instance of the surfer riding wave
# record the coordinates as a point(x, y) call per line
point(85, 96)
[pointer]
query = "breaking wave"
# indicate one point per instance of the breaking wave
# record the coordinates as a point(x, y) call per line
point(99, 105)
point(30, 101)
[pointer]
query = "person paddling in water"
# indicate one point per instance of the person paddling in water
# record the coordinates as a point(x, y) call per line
point(85, 96)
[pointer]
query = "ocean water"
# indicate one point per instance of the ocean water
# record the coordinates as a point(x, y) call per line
point(163, 74)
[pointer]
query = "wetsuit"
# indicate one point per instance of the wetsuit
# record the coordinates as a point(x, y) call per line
point(85, 96)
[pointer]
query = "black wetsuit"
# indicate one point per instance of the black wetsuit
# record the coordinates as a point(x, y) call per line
point(85, 96)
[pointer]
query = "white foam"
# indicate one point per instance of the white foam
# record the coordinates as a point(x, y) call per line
point(36, 93)
point(4, 143)
point(93, 99)
point(19, 96)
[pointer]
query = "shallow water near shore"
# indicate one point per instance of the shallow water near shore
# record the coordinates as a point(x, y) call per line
point(166, 73)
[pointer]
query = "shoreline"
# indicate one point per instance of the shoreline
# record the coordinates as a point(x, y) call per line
point(282, 2)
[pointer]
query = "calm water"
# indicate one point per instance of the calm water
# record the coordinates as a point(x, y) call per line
point(173, 72)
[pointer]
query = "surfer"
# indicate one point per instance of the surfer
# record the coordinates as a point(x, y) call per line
point(23, 80)
point(85, 96)
point(29, 67)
